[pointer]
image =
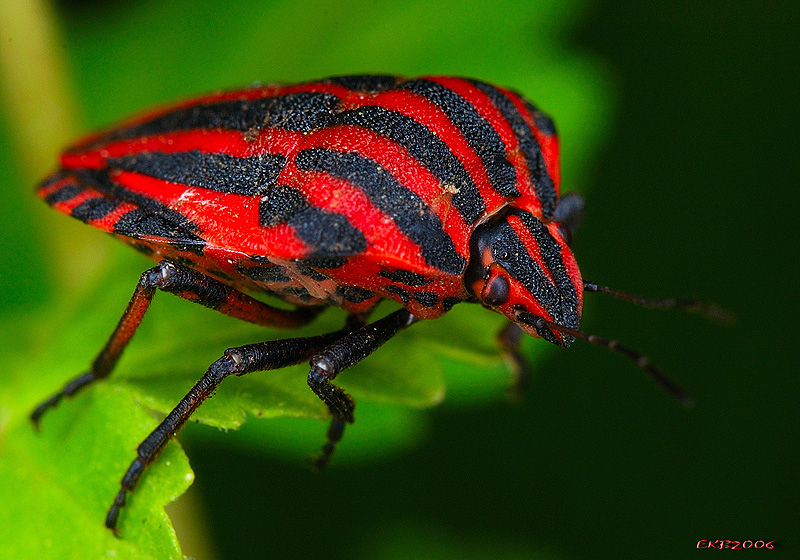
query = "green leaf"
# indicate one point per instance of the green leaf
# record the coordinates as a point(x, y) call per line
point(62, 479)
point(57, 483)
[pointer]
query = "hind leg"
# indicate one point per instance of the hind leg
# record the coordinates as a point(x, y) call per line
point(188, 284)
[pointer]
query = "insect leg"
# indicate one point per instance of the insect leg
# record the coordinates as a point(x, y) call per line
point(346, 352)
point(509, 339)
point(237, 361)
point(188, 284)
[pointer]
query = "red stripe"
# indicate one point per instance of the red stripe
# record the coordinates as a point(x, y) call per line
point(531, 245)
point(241, 95)
point(67, 206)
point(385, 241)
point(107, 222)
point(548, 144)
point(567, 256)
point(405, 168)
point(429, 115)
point(43, 192)
point(279, 241)
point(268, 141)
point(570, 264)
point(485, 108)
point(225, 220)
point(364, 271)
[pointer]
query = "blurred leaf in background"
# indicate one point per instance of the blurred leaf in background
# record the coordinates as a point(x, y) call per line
point(64, 286)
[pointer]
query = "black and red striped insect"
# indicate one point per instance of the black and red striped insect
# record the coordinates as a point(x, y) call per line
point(345, 192)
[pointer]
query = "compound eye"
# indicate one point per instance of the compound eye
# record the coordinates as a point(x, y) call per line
point(496, 291)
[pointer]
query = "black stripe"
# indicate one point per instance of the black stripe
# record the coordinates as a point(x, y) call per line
point(94, 209)
point(542, 182)
point(266, 274)
point(405, 277)
point(482, 137)
point(367, 83)
point(250, 176)
point(449, 302)
point(327, 234)
point(325, 262)
point(426, 299)
point(279, 204)
point(52, 178)
point(298, 291)
point(151, 218)
point(65, 193)
point(140, 223)
point(559, 299)
point(355, 295)
point(550, 250)
point(426, 147)
point(304, 111)
point(543, 122)
point(404, 295)
point(306, 270)
point(101, 181)
point(522, 268)
point(410, 213)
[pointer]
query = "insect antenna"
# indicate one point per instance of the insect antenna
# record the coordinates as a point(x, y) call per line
point(639, 359)
point(707, 310)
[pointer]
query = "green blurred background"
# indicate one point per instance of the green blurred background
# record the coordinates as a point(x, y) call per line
point(678, 124)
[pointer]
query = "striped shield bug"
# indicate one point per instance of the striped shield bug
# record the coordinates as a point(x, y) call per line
point(340, 192)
